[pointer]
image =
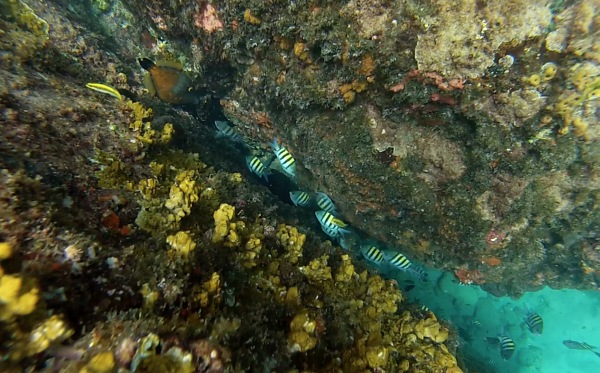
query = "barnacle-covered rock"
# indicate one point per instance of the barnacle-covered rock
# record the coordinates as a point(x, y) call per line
point(577, 30)
point(462, 38)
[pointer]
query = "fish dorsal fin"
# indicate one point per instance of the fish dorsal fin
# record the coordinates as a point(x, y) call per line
point(173, 64)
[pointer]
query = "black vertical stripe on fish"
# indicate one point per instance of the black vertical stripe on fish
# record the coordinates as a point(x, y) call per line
point(535, 323)
point(507, 347)
point(287, 159)
point(400, 261)
point(374, 255)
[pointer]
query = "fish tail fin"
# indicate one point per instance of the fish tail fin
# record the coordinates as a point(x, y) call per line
point(418, 272)
point(269, 162)
point(126, 93)
point(492, 340)
point(274, 144)
point(146, 63)
point(596, 353)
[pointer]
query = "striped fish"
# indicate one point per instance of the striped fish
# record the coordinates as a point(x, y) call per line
point(300, 198)
point(535, 323)
point(325, 203)
point(288, 164)
point(372, 254)
point(106, 89)
point(226, 130)
point(256, 166)
point(506, 345)
point(401, 262)
point(330, 223)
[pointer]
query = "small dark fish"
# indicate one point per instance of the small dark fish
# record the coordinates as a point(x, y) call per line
point(506, 343)
point(535, 323)
point(574, 345)
point(408, 288)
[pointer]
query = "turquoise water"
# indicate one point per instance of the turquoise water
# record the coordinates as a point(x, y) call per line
point(567, 314)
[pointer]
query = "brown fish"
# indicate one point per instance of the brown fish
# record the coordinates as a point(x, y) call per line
point(168, 81)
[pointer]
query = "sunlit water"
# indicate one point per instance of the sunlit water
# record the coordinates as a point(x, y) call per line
point(567, 314)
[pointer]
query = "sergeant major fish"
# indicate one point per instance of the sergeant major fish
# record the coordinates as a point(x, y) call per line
point(401, 262)
point(257, 167)
point(534, 322)
point(288, 164)
point(325, 203)
point(372, 253)
point(300, 198)
point(167, 80)
point(226, 130)
point(505, 343)
point(331, 223)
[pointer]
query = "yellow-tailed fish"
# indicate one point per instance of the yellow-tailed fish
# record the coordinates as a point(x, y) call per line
point(167, 80)
point(324, 202)
point(300, 198)
point(103, 88)
point(330, 224)
point(288, 164)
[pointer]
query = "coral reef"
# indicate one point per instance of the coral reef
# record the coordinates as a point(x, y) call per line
point(462, 38)
point(465, 132)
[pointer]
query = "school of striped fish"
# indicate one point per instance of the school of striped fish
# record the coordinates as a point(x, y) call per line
point(326, 212)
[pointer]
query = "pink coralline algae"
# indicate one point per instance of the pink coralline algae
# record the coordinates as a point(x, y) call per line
point(207, 19)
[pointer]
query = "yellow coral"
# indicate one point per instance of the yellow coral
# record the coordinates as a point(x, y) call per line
point(12, 302)
point(317, 271)
point(149, 296)
point(101, 363)
point(140, 113)
point(251, 250)
point(346, 271)
point(250, 18)
point(147, 188)
point(292, 241)
point(533, 80)
point(53, 329)
point(301, 337)
point(573, 104)
point(211, 289)
point(183, 194)
point(181, 243)
point(222, 217)
point(5, 250)
point(549, 71)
